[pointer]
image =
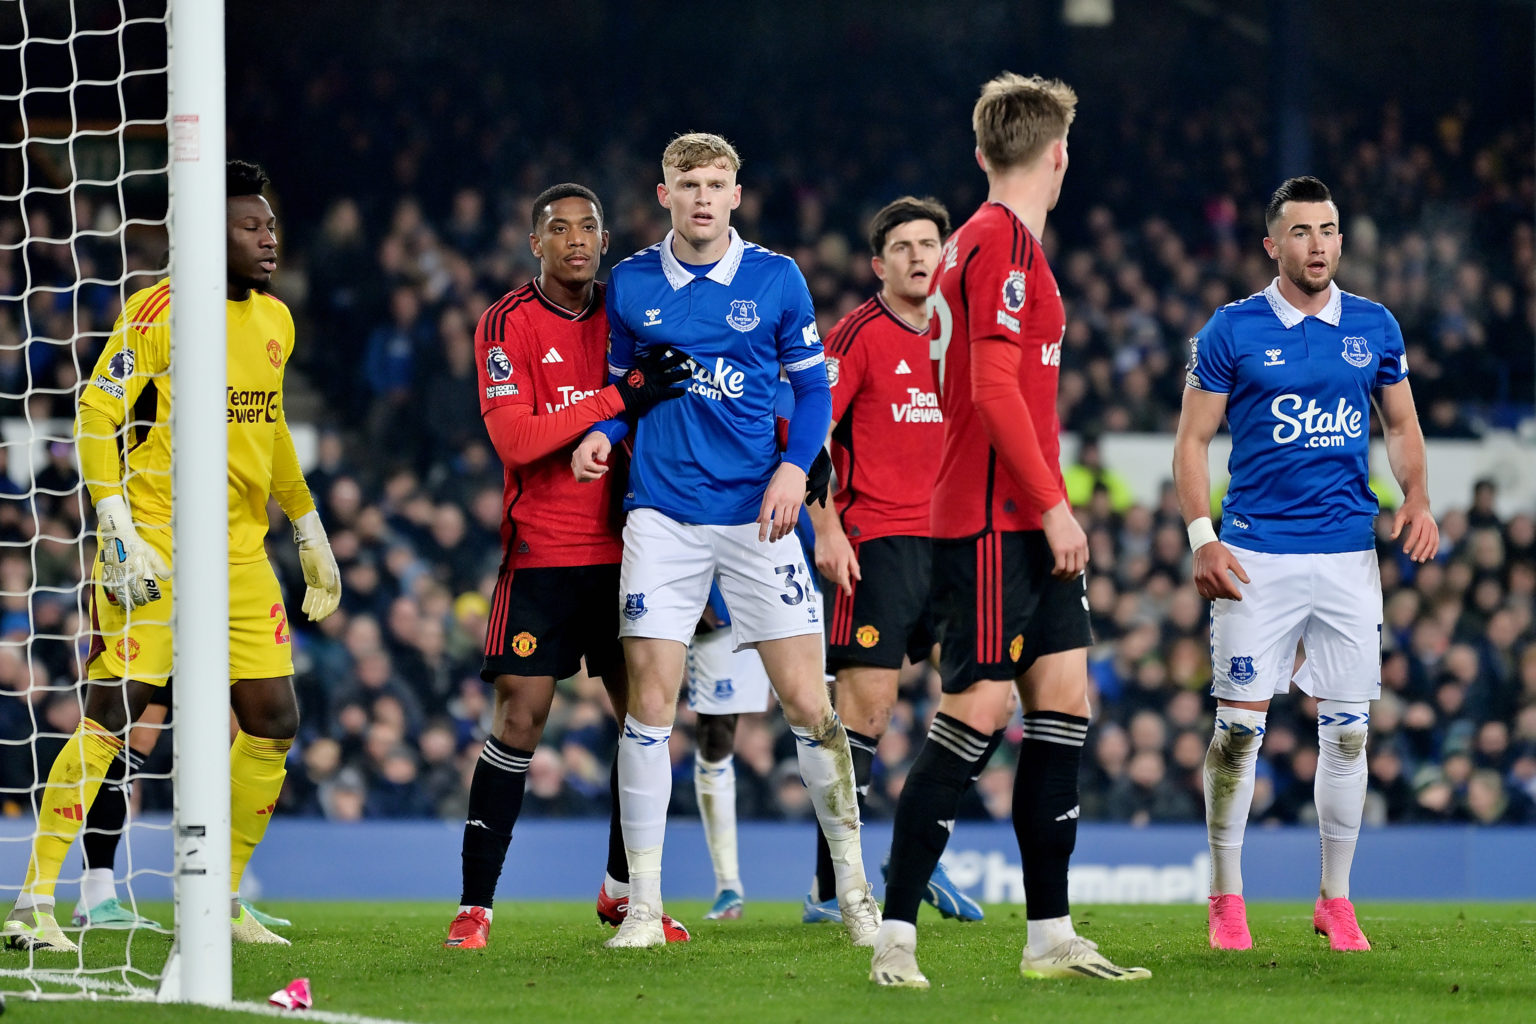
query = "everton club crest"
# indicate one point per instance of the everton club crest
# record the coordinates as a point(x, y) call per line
point(1242, 670)
point(1357, 352)
point(743, 315)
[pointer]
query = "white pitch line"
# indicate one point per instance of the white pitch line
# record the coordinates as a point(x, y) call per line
point(324, 1016)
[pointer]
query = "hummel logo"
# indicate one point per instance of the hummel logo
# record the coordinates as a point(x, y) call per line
point(947, 826)
point(902, 367)
point(652, 318)
point(1274, 357)
point(552, 357)
point(1071, 815)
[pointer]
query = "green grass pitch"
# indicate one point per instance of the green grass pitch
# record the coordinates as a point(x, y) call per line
point(546, 962)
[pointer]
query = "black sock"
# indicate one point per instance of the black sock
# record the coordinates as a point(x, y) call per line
point(1045, 807)
point(986, 758)
point(925, 814)
point(495, 800)
point(863, 749)
point(618, 860)
point(103, 828)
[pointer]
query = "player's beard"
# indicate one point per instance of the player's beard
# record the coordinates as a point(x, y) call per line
point(1313, 286)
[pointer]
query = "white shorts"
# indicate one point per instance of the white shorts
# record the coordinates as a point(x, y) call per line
point(668, 566)
point(722, 681)
point(1330, 604)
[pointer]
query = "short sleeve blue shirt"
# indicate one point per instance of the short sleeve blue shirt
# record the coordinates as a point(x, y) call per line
point(1298, 393)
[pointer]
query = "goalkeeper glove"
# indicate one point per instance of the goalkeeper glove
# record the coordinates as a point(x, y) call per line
point(130, 568)
point(654, 378)
point(818, 479)
point(322, 578)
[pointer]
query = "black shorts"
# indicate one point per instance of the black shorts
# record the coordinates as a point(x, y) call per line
point(544, 621)
point(997, 608)
point(886, 616)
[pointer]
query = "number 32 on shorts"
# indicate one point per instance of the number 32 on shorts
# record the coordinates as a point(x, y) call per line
point(796, 589)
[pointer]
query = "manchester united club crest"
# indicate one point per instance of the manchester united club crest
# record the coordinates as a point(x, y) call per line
point(128, 649)
point(866, 636)
point(1016, 646)
point(524, 644)
point(1242, 670)
point(743, 315)
point(274, 353)
point(832, 371)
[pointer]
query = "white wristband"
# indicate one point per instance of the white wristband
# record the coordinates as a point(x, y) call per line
point(1201, 533)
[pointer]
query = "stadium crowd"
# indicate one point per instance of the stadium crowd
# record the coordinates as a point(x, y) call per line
point(392, 271)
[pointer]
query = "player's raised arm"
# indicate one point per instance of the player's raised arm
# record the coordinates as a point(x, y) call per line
point(1405, 454)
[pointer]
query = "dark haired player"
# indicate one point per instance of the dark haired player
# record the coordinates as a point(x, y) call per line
point(873, 545)
point(1294, 370)
point(542, 369)
point(127, 469)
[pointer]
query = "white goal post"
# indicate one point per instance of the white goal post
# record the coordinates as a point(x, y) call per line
point(199, 969)
point(113, 139)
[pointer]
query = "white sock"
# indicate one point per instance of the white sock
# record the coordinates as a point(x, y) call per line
point(826, 766)
point(892, 930)
point(1340, 788)
point(615, 888)
point(645, 789)
point(1046, 934)
point(489, 912)
point(714, 783)
point(1229, 772)
point(97, 887)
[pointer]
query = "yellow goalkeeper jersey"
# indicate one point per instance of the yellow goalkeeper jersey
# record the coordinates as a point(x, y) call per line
point(123, 426)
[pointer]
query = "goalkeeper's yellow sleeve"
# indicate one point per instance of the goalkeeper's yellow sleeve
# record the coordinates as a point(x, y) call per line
point(96, 444)
point(288, 485)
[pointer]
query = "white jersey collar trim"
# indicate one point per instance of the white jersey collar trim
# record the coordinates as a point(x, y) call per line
point(1290, 316)
point(724, 272)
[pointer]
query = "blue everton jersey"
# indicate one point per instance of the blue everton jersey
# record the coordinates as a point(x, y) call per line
point(1298, 393)
point(707, 457)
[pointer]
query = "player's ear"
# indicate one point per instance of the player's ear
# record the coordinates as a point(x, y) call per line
point(661, 195)
point(878, 266)
point(736, 197)
point(534, 246)
point(604, 249)
point(981, 161)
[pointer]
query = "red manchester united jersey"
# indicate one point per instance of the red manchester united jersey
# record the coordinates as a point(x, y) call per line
point(533, 352)
point(993, 283)
point(889, 425)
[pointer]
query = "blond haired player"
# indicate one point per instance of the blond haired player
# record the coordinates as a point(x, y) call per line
point(122, 430)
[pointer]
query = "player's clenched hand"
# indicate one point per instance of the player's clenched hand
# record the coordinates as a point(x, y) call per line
point(1067, 540)
point(835, 559)
point(129, 566)
point(322, 577)
point(590, 459)
point(1215, 569)
point(655, 377)
point(1422, 540)
point(818, 480)
point(782, 501)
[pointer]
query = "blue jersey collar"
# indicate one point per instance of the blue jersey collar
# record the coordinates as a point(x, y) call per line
point(1290, 316)
point(724, 272)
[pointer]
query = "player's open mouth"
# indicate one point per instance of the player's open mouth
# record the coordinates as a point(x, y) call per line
point(267, 265)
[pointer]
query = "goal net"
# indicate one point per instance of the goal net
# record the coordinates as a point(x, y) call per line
point(99, 161)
